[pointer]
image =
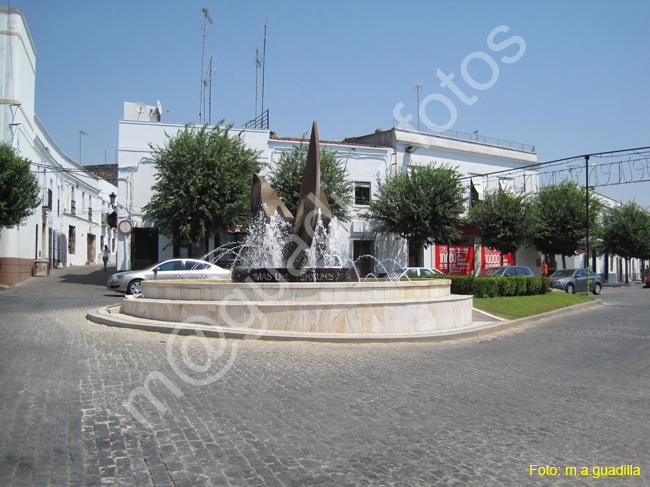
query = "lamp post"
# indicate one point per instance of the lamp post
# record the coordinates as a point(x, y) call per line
point(81, 132)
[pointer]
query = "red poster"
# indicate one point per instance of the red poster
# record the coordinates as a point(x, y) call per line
point(461, 258)
point(492, 258)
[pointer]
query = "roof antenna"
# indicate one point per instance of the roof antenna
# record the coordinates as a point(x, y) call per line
point(206, 19)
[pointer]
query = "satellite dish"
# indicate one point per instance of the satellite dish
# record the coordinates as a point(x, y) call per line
point(140, 107)
point(159, 107)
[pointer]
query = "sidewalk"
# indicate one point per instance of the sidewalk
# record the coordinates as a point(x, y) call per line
point(86, 280)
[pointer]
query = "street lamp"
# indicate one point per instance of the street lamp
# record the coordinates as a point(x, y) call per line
point(111, 198)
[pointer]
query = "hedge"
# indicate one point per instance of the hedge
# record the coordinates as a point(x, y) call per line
point(490, 287)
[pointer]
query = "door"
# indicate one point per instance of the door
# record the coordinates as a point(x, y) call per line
point(581, 280)
point(91, 251)
point(172, 269)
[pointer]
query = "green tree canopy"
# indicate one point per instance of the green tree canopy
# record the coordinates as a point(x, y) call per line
point(19, 191)
point(285, 177)
point(423, 205)
point(559, 220)
point(202, 184)
point(502, 219)
point(626, 232)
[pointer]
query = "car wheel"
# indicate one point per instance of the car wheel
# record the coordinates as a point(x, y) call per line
point(570, 289)
point(597, 288)
point(134, 287)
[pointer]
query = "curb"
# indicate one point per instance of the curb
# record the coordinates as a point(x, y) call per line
point(110, 317)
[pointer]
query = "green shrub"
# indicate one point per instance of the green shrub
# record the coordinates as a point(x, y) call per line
point(520, 285)
point(546, 285)
point(533, 285)
point(507, 286)
point(462, 284)
point(485, 287)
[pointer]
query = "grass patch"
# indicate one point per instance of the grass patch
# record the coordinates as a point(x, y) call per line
point(515, 307)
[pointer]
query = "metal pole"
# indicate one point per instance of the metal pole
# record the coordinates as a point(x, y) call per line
point(587, 215)
point(81, 132)
point(264, 62)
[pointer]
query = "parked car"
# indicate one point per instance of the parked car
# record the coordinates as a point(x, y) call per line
point(575, 280)
point(647, 281)
point(130, 282)
point(508, 270)
point(413, 272)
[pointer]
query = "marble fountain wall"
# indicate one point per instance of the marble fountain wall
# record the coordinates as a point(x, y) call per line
point(341, 307)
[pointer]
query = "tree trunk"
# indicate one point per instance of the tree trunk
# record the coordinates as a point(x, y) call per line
point(627, 261)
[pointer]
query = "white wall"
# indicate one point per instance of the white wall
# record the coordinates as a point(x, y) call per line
point(54, 170)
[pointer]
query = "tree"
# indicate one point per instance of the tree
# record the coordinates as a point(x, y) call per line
point(19, 190)
point(423, 205)
point(285, 177)
point(202, 184)
point(626, 232)
point(559, 219)
point(502, 220)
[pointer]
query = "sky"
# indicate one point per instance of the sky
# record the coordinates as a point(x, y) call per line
point(579, 86)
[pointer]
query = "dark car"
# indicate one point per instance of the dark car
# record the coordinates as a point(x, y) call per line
point(647, 281)
point(575, 280)
point(508, 270)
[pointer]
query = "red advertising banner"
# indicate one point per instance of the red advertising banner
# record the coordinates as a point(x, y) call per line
point(492, 258)
point(461, 258)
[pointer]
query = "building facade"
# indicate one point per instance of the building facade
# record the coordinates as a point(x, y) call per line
point(70, 225)
point(367, 160)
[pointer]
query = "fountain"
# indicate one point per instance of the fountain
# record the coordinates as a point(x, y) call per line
point(296, 256)
point(286, 286)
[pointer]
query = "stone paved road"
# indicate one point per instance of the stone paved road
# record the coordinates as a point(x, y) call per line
point(567, 392)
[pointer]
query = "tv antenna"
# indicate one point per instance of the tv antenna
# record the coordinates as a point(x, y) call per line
point(258, 65)
point(206, 19)
point(418, 89)
point(211, 71)
point(266, 24)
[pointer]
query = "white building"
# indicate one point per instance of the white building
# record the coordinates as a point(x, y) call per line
point(69, 227)
point(366, 159)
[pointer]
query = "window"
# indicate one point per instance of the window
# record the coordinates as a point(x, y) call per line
point(72, 240)
point(172, 265)
point(361, 193)
point(48, 200)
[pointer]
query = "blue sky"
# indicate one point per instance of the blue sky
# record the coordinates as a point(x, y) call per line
point(581, 85)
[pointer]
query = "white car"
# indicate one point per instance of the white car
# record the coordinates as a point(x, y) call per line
point(130, 282)
point(413, 272)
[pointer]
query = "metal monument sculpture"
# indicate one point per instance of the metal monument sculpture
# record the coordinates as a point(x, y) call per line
point(313, 210)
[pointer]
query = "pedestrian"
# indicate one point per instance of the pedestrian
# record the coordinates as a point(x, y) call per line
point(544, 269)
point(105, 255)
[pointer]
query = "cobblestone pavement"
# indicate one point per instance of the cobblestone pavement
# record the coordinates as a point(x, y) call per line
point(566, 392)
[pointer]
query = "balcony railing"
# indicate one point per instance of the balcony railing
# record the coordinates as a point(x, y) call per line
point(259, 122)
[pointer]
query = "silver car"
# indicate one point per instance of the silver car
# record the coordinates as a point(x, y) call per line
point(572, 280)
point(130, 282)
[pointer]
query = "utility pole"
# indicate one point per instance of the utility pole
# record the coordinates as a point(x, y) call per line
point(418, 89)
point(206, 18)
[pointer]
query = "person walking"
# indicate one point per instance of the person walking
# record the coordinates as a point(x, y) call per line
point(544, 269)
point(105, 255)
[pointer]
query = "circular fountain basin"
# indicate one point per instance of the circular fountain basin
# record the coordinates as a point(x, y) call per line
point(321, 307)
